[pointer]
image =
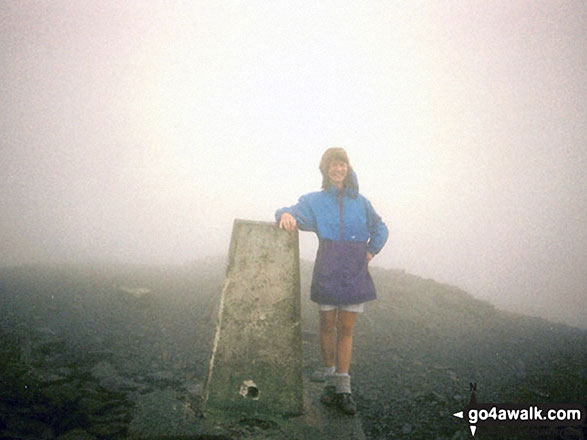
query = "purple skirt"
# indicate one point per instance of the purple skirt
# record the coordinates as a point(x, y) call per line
point(341, 274)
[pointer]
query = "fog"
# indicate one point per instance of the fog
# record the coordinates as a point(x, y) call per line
point(138, 131)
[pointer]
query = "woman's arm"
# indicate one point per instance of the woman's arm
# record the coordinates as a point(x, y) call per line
point(377, 229)
point(301, 213)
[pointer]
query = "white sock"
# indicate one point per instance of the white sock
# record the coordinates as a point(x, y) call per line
point(343, 383)
point(329, 370)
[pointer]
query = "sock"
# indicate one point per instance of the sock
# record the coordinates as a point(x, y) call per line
point(329, 370)
point(342, 383)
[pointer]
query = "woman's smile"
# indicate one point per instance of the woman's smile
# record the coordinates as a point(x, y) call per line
point(337, 172)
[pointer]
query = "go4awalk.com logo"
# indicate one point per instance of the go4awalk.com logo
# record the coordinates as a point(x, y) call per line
point(519, 414)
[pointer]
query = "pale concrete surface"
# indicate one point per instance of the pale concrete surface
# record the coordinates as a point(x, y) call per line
point(256, 363)
point(256, 367)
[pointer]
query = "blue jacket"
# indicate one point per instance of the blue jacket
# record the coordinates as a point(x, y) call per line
point(320, 212)
point(347, 227)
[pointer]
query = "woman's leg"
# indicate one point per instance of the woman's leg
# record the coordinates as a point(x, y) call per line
point(344, 344)
point(345, 323)
point(327, 345)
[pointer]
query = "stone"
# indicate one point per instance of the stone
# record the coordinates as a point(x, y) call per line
point(256, 361)
point(90, 405)
point(61, 395)
point(108, 378)
point(76, 434)
point(194, 388)
point(28, 427)
point(107, 430)
point(162, 413)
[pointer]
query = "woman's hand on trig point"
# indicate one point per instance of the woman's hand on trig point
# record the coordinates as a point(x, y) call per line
point(287, 222)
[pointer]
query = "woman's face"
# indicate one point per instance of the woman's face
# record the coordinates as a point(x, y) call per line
point(337, 171)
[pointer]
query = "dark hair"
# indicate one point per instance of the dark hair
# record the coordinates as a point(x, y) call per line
point(329, 155)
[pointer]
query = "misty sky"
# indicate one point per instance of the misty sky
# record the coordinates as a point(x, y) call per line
point(138, 131)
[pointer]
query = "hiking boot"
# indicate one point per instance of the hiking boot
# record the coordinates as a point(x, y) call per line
point(328, 396)
point(346, 403)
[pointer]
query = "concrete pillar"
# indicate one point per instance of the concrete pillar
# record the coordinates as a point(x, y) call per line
point(256, 361)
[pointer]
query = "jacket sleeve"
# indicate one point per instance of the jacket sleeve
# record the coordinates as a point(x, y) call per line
point(377, 229)
point(302, 212)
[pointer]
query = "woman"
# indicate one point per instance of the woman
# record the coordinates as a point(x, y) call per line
point(350, 234)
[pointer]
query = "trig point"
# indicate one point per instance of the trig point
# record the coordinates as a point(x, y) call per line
point(256, 361)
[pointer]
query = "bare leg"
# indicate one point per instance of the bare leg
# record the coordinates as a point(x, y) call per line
point(344, 346)
point(327, 320)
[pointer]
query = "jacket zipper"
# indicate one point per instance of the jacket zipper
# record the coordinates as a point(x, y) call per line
point(340, 232)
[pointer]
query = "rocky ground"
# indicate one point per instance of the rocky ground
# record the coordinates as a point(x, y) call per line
point(91, 352)
point(85, 353)
point(418, 348)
